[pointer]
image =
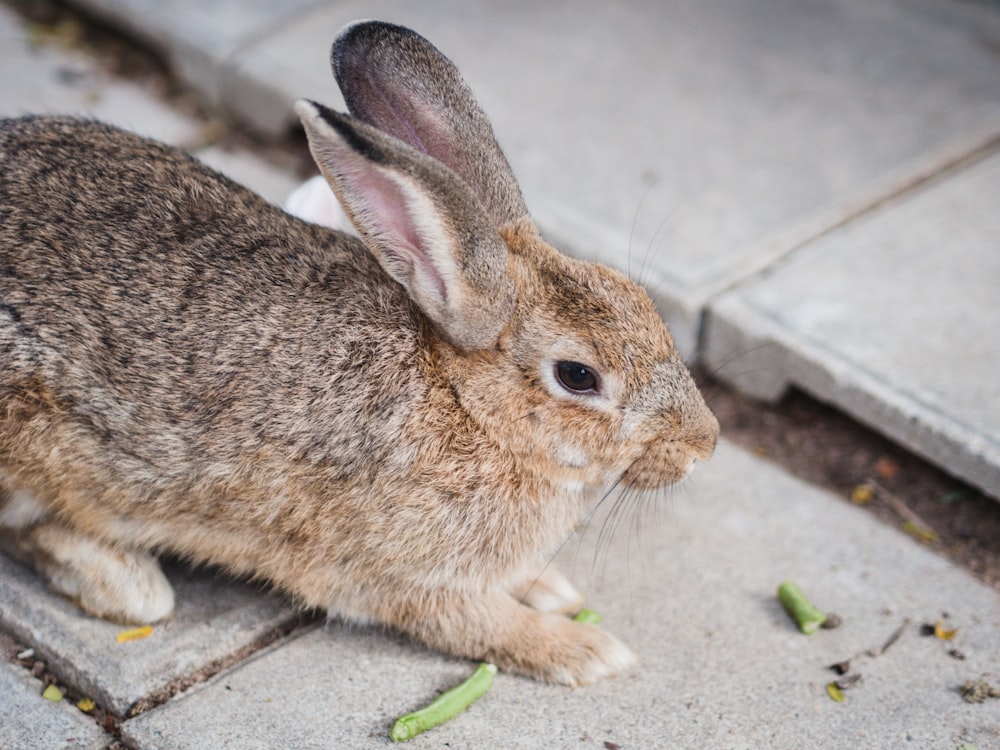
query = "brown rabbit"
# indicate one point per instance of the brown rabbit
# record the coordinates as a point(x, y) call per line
point(400, 429)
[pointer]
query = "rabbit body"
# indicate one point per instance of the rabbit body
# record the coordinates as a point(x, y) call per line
point(375, 425)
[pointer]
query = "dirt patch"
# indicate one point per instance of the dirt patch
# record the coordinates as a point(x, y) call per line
point(823, 446)
point(48, 22)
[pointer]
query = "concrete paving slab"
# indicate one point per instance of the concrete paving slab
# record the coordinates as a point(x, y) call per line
point(690, 144)
point(31, 721)
point(692, 588)
point(197, 38)
point(42, 78)
point(894, 318)
point(215, 618)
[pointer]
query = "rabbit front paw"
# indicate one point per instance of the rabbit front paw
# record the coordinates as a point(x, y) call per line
point(549, 591)
point(569, 653)
point(515, 637)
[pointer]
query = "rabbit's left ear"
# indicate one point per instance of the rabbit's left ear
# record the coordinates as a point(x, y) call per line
point(396, 80)
point(422, 223)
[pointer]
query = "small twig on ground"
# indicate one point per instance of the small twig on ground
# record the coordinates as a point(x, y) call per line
point(907, 513)
point(891, 640)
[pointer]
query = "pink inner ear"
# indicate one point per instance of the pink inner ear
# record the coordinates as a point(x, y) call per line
point(387, 112)
point(378, 207)
point(412, 121)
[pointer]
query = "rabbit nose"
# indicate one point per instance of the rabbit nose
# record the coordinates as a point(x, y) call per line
point(702, 439)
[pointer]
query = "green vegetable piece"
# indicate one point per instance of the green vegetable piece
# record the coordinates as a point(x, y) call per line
point(446, 706)
point(834, 691)
point(806, 616)
point(587, 616)
point(52, 693)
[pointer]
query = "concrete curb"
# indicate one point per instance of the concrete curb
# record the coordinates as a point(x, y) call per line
point(912, 357)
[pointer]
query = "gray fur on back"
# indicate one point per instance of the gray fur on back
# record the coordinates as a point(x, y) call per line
point(166, 306)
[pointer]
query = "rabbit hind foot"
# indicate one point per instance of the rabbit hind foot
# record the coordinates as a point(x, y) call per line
point(106, 581)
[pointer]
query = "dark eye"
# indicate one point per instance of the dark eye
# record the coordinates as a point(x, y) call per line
point(576, 377)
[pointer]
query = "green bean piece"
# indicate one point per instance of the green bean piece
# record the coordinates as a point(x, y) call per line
point(806, 616)
point(587, 616)
point(446, 706)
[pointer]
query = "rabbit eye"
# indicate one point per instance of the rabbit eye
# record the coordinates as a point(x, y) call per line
point(576, 377)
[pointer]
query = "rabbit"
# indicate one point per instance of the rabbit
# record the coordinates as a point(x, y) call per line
point(399, 428)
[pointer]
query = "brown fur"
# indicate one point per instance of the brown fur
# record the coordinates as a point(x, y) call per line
point(374, 427)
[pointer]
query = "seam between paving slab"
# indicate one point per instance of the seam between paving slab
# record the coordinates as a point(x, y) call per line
point(899, 185)
point(60, 712)
point(733, 321)
point(297, 623)
point(297, 626)
point(934, 171)
point(276, 639)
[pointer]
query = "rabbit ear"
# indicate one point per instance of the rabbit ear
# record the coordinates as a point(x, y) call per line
point(396, 80)
point(422, 223)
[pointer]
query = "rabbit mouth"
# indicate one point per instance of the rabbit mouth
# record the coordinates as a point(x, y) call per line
point(665, 462)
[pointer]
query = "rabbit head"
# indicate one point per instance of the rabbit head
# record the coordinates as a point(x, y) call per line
point(568, 363)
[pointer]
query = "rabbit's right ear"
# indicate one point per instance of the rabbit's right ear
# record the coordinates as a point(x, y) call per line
point(421, 221)
point(396, 80)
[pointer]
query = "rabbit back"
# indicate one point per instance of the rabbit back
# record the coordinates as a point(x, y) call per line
point(179, 316)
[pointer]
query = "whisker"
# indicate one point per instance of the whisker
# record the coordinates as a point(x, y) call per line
point(651, 514)
point(603, 533)
point(581, 529)
point(713, 373)
point(610, 527)
point(584, 526)
point(635, 222)
point(651, 246)
point(640, 511)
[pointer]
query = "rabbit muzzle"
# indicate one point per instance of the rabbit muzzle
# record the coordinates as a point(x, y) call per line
point(668, 460)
